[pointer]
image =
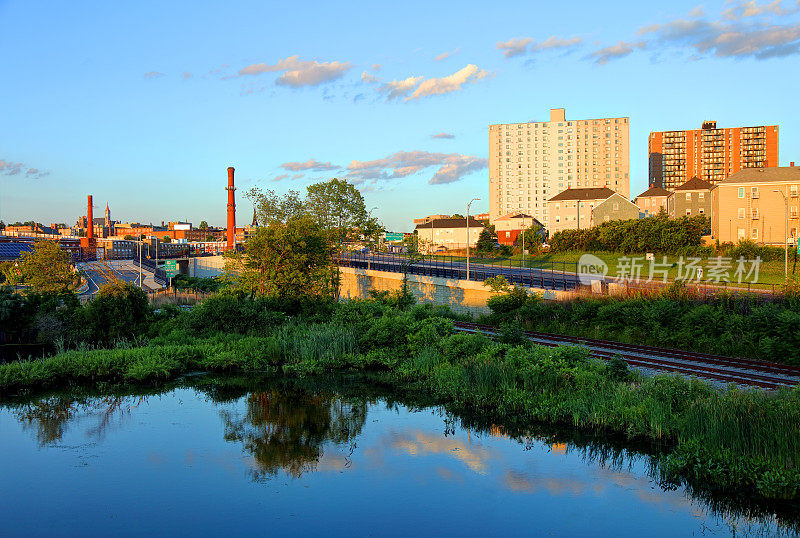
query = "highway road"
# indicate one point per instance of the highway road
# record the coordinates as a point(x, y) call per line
point(101, 272)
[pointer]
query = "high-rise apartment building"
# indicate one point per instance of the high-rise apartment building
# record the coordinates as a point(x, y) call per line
point(709, 153)
point(531, 162)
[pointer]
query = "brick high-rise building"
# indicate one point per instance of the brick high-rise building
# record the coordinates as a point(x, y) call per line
point(531, 162)
point(709, 153)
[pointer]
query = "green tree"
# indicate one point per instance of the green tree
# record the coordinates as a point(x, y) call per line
point(283, 259)
point(47, 269)
point(534, 237)
point(118, 311)
point(487, 239)
point(339, 208)
point(203, 225)
point(166, 239)
point(457, 216)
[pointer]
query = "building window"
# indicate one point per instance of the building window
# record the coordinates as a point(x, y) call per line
point(740, 233)
point(688, 196)
point(688, 212)
point(741, 192)
point(701, 196)
point(754, 192)
point(755, 233)
point(741, 212)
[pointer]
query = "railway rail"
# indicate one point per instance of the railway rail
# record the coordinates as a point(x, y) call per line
point(746, 372)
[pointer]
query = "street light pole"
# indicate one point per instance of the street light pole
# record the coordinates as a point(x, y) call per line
point(523, 237)
point(469, 204)
point(785, 238)
point(140, 264)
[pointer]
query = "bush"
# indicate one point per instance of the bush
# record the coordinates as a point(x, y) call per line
point(119, 311)
point(653, 234)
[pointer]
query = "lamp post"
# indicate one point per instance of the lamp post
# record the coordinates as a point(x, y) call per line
point(469, 204)
point(369, 217)
point(523, 237)
point(140, 264)
point(785, 237)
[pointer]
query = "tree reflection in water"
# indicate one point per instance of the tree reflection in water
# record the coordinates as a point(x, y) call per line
point(51, 416)
point(286, 429)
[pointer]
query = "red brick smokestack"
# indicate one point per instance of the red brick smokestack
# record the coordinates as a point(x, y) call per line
point(89, 219)
point(231, 211)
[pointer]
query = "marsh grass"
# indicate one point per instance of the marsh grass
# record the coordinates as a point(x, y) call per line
point(737, 441)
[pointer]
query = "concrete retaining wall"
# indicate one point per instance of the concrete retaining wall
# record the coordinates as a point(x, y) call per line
point(464, 296)
point(206, 266)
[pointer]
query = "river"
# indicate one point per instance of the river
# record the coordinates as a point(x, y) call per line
point(223, 456)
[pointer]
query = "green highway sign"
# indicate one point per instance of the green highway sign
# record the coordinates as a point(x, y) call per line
point(171, 267)
point(393, 236)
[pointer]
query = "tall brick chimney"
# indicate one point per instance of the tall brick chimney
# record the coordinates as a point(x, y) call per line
point(231, 211)
point(89, 219)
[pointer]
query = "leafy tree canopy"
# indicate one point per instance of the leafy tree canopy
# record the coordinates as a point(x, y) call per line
point(47, 269)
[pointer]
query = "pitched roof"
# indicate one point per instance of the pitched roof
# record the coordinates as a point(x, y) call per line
point(695, 184)
point(654, 191)
point(762, 175)
point(515, 215)
point(451, 223)
point(583, 194)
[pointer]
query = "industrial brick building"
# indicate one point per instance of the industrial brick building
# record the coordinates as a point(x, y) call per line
point(709, 153)
point(531, 162)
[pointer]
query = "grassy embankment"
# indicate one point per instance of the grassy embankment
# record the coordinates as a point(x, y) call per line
point(733, 441)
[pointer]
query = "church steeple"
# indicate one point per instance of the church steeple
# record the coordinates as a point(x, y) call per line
point(255, 219)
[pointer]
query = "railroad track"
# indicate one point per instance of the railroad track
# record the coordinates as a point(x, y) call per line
point(747, 372)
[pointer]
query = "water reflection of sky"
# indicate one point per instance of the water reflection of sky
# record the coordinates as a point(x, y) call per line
point(163, 466)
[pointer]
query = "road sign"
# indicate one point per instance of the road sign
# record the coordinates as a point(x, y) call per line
point(393, 236)
point(171, 267)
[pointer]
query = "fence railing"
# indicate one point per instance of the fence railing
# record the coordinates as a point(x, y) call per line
point(533, 273)
point(549, 275)
point(159, 275)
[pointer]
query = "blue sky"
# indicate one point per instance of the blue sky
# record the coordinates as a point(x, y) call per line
point(145, 104)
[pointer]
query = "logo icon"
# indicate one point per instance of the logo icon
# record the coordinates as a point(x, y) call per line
point(591, 269)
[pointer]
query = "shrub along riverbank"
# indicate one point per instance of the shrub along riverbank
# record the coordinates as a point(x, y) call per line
point(733, 441)
point(734, 326)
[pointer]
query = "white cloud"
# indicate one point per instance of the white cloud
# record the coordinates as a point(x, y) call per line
point(697, 12)
point(399, 88)
point(443, 136)
point(8, 168)
point(369, 79)
point(153, 74)
point(519, 46)
point(554, 42)
point(280, 177)
point(451, 83)
point(613, 52)
point(310, 164)
point(514, 47)
point(445, 55)
point(742, 10)
point(450, 167)
point(729, 40)
point(297, 73)
point(186, 74)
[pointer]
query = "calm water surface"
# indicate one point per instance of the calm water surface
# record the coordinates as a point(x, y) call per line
point(280, 459)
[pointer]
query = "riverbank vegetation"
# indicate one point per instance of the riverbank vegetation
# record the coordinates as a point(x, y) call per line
point(729, 440)
point(735, 326)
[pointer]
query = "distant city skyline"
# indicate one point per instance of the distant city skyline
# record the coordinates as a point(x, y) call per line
point(145, 105)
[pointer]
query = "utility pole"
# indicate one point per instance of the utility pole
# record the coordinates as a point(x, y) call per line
point(785, 237)
point(469, 204)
